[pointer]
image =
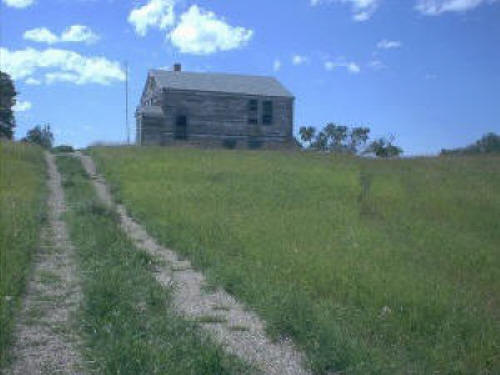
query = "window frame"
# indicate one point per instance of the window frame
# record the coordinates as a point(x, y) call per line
point(253, 112)
point(267, 112)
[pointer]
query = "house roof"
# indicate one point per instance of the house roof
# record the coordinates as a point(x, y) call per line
point(219, 82)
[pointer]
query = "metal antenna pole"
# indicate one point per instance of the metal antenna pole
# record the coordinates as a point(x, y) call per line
point(126, 103)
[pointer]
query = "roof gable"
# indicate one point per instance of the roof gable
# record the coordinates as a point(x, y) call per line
point(218, 82)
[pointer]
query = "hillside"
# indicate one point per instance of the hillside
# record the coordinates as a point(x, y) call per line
point(371, 266)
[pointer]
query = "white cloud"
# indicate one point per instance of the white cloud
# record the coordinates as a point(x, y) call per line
point(352, 67)
point(155, 14)
point(388, 44)
point(51, 78)
point(377, 65)
point(41, 35)
point(299, 60)
point(362, 9)
point(74, 33)
point(62, 65)
point(18, 3)
point(276, 65)
point(22, 106)
point(79, 33)
point(201, 32)
point(32, 81)
point(436, 7)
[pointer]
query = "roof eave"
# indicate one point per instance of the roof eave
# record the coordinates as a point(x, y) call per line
point(226, 92)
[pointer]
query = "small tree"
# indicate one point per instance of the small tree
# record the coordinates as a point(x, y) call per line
point(489, 143)
point(384, 148)
point(40, 135)
point(320, 142)
point(338, 138)
point(307, 134)
point(358, 137)
point(7, 101)
point(336, 135)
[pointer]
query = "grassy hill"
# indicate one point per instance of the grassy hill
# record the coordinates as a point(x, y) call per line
point(371, 266)
point(22, 193)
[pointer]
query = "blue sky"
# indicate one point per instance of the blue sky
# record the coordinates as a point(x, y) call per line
point(425, 71)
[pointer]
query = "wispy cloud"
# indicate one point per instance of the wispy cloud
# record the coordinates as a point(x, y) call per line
point(32, 81)
point(351, 66)
point(377, 65)
point(18, 3)
point(22, 106)
point(362, 9)
point(277, 65)
point(201, 32)
point(388, 44)
point(299, 59)
point(437, 7)
point(60, 65)
point(74, 33)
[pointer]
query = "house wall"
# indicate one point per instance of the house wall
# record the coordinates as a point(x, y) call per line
point(150, 130)
point(212, 117)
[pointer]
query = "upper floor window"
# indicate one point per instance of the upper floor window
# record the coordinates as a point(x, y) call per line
point(267, 112)
point(253, 107)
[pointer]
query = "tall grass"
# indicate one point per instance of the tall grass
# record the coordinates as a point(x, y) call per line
point(129, 326)
point(370, 266)
point(22, 211)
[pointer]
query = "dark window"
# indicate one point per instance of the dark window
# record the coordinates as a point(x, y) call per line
point(253, 107)
point(181, 127)
point(267, 112)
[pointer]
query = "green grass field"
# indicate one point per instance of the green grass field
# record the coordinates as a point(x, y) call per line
point(22, 211)
point(128, 324)
point(370, 266)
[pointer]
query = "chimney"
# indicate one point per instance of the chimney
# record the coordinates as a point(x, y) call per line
point(177, 67)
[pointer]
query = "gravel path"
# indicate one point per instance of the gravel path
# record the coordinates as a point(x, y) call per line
point(239, 330)
point(45, 340)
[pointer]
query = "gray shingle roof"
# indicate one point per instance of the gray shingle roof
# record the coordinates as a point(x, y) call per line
point(219, 82)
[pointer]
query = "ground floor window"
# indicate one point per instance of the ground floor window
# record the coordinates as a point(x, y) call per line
point(181, 127)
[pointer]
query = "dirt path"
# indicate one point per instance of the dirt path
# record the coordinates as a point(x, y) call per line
point(45, 340)
point(240, 331)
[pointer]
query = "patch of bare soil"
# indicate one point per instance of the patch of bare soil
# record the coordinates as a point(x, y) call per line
point(239, 330)
point(46, 342)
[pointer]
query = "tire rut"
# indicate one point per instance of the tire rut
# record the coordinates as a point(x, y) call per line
point(45, 338)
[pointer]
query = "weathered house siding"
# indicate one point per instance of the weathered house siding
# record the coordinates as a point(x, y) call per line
point(212, 117)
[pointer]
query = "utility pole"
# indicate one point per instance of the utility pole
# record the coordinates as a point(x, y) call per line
point(126, 103)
